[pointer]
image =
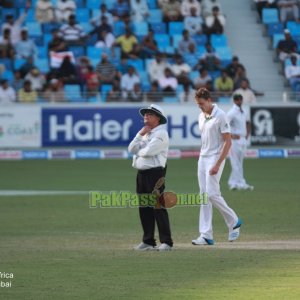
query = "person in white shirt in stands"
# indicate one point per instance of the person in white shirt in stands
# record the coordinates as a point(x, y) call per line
point(207, 6)
point(64, 9)
point(239, 123)
point(168, 83)
point(72, 33)
point(150, 151)
point(128, 81)
point(193, 23)
point(107, 40)
point(7, 93)
point(292, 74)
point(157, 67)
point(215, 145)
point(187, 5)
point(103, 12)
point(15, 26)
point(247, 94)
point(139, 10)
point(44, 11)
point(215, 22)
point(181, 70)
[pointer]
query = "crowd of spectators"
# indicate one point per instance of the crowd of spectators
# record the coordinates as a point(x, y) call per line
point(128, 66)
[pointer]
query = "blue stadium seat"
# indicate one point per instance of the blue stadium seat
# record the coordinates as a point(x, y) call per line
point(274, 28)
point(176, 28)
point(47, 38)
point(294, 28)
point(155, 16)
point(86, 26)
point(145, 82)
point(95, 13)
point(224, 53)
point(94, 52)
point(34, 29)
point(270, 15)
point(93, 4)
point(72, 92)
point(9, 11)
point(200, 39)
point(148, 61)
point(20, 3)
point(42, 64)
point(119, 28)
point(191, 59)
point(140, 28)
point(43, 52)
point(276, 38)
point(138, 64)
point(109, 4)
point(105, 88)
point(170, 50)
point(48, 27)
point(152, 4)
point(18, 62)
point(176, 38)
point(30, 15)
point(80, 3)
point(6, 62)
point(162, 40)
point(83, 15)
point(94, 61)
point(194, 75)
point(159, 27)
point(218, 40)
point(77, 50)
point(8, 75)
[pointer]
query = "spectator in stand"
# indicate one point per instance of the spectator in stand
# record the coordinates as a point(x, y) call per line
point(128, 81)
point(181, 71)
point(233, 67)
point(27, 67)
point(92, 82)
point(261, 4)
point(82, 65)
point(126, 42)
point(121, 10)
point(288, 10)
point(106, 41)
point(193, 23)
point(54, 91)
point(67, 71)
point(103, 26)
point(203, 81)
point(15, 26)
point(183, 46)
point(171, 11)
point(286, 47)
point(187, 5)
point(292, 74)
point(246, 92)
point(154, 94)
point(187, 95)
point(37, 80)
point(25, 48)
point(207, 6)
point(44, 11)
point(18, 81)
point(6, 3)
point(107, 72)
point(240, 75)
point(72, 33)
point(115, 94)
point(168, 83)
point(215, 22)
point(157, 67)
point(7, 93)
point(6, 47)
point(209, 60)
point(139, 10)
point(136, 95)
point(27, 94)
point(192, 56)
point(64, 9)
point(57, 44)
point(224, 84)
point(135, 52)
point(148, 45)
point(103, 12)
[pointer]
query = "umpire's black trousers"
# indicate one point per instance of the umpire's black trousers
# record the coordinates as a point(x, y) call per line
point(145, 182)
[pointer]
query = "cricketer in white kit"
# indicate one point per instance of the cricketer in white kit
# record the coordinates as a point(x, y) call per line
point(240, 131)
point(215, 145)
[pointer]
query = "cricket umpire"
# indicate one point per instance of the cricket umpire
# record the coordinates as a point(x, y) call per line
point(150, 148)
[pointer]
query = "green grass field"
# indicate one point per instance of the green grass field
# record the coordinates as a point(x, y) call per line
point(59, 248)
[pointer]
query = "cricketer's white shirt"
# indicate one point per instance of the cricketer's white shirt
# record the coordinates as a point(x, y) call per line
point(211, 130)
point(237, 120)
point(150, 150)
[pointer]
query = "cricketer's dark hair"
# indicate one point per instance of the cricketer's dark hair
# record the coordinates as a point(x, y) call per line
point(203, 93)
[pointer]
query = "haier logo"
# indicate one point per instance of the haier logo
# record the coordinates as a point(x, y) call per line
point(263, 127)
point(92, 127)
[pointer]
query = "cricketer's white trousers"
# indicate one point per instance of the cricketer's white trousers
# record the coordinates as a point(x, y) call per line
point(210, 184)
point(236, 155)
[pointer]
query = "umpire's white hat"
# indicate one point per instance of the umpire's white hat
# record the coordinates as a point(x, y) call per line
point(155, 109)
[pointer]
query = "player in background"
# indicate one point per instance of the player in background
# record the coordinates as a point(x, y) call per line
point(240, 131)
point(215, 145)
